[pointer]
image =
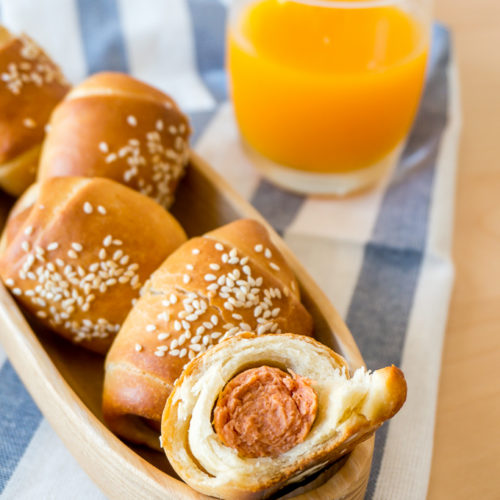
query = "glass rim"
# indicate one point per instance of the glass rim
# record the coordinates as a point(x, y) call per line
point(345, 4)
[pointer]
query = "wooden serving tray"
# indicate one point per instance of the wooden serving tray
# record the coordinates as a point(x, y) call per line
point(66, 381)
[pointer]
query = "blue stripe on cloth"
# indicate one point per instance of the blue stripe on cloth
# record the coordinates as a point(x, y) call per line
point(208, 20)
point(102, 36)
point(279, 207)
point(209, 29)
point(20, 419)
point(199, 121)
point(383, 297)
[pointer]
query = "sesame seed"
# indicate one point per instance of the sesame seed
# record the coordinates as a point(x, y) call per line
point(25, 246)
point(183, 352)
point(160, 354)
point(172, 129)
point(77, 246)
point(219, 246)
point(267, 253)
point(159, 125)
point(9, 282)
point(103, 146)
point(150, 328)
point(102, 254)
point(274, 266)
point(118, 254)
point(189, 267)
point(258, 248)
point(101, 210)
point(17, 291)
point(173, 298)
point(195, 251)
point(225, 258)
point(214, 267)
point(107, 240)
point(132, 120)
point(177, 325)
point(163, 315)
point(29, 123)
point(28, 230)
point(138, 347)
point(214, 319)
point(163, 336)
point(174, 352)
point(186, 279)
point(87, 208)
point(72, 254)
point(111, 158)
point(210, 277)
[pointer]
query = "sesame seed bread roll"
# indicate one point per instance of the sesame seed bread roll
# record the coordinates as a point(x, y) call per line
point(114, 126)
point(30, 87)
point(211, 288)
point(349, 409)
point(76, 251)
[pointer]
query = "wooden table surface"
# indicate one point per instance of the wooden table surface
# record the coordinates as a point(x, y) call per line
point(466, 463)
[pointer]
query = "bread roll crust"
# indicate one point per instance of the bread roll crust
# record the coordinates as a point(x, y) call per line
point(30, 87)
point(349, 411)
point(185, 308)
point(125, 130)
point(76, 253)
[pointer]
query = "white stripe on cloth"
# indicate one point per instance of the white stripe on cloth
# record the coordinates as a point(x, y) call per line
point(406, 463)
point(58, 33)
point(48, 471)
point(220, 146)
point(350, 219)
point(407, 459)
point(334, 265)
point(160, 50)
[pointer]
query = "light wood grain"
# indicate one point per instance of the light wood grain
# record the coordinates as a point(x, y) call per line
point(467, 437)
point(66, 381)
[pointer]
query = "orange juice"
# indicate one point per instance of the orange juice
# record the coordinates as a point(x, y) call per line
point(325, 89)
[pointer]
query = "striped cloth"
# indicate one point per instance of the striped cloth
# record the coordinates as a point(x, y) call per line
point(383, 258)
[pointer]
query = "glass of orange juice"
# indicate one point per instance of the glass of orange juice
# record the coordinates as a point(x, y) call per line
point(325, 91)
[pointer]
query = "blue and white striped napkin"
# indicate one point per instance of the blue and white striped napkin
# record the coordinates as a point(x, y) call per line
point(383, 257)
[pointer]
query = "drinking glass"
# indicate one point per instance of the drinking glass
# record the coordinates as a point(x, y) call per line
point(325, 91)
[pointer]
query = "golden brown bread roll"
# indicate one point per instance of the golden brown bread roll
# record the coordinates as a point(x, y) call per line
point(76, 251)
point(114, 126)
point(30, 87)
point(212, 287)
point(349, 410)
